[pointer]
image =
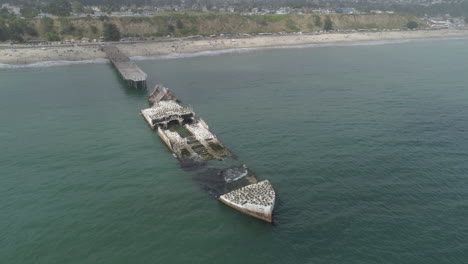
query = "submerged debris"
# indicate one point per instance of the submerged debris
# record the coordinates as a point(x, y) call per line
point(160, 93)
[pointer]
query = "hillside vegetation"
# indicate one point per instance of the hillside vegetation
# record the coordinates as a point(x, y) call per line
point(186, 24)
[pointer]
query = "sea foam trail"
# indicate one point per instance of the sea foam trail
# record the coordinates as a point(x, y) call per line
point(44, 64)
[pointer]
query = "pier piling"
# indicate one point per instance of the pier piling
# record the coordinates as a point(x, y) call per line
point(128, 70)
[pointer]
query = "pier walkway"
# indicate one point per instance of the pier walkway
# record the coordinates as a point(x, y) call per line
point(128, 70)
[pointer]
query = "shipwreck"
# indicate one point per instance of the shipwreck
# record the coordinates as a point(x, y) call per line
point(190, 140)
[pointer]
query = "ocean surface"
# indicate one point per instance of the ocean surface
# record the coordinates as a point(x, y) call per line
point(365, 145)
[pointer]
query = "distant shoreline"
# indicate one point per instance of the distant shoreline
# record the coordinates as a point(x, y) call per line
point(29, 55)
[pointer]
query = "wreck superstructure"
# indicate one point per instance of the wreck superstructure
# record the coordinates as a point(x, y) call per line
point(195, 146)
point(191, 140)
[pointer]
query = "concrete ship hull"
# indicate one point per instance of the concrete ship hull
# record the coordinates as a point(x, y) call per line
point(190, 140)
point(259, 209)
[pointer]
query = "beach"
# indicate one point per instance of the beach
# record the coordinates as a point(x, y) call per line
point(27, 55)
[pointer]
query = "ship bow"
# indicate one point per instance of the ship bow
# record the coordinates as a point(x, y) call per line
point(256, 199)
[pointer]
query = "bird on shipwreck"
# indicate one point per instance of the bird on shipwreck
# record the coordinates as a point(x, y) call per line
point(191, 141)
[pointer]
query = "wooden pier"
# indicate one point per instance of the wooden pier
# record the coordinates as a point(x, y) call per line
point(128, 70)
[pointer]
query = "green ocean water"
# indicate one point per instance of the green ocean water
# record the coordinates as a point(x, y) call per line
point(366, 146)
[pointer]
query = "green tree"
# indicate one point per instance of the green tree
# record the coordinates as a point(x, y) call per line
point(104, 18)
point(77, 7)
point(4, 14)
point(59, 8)
point(412, 25)
point(261, 20)
point(170, 28)
point(46, 25)
point(48, 29)
point(317, 21)
point(67, 27)
point(327, 25)
point(52, 36)
point(3, 32)
point(291, 25)
point(179, 24)
point(88, 10)
point(93, 29)
point(111, 32)
point(29, 12)
point(15, 30)
point(30, 30)
point(110, 5)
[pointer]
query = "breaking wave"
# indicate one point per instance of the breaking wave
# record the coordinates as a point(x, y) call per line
point(193, 54)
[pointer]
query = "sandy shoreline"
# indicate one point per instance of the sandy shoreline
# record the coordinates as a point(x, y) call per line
point(37, 54)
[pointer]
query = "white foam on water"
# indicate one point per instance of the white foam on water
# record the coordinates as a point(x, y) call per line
point(235, 173)
point(193, 54)
point(44, 64)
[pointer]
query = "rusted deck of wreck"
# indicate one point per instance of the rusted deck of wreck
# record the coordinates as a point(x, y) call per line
point(189, 138)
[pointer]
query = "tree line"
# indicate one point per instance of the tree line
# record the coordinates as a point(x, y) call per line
point(17, 29)
point(13, 28)
point(65, 7)
point(48, 29)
